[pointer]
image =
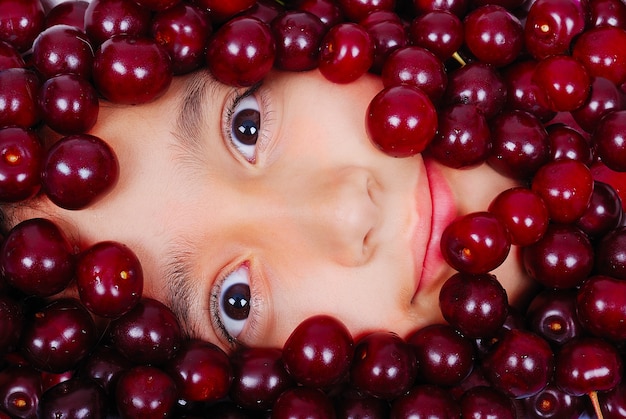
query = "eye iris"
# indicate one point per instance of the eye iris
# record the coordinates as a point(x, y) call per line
point(236, 301)
point(247, 124)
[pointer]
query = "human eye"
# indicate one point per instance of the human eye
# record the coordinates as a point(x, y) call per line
point(230, 303)
point(243, 123)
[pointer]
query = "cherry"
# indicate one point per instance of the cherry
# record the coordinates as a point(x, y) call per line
point(609, 139)
point(157, 5)
point(610, 255)
point(565, 82)
point(552, 315)
point(131, 70)
point(587, 365)
point(417, 67)
point(109, 279)
point(566, 187)
point(220, 10)
point(37, 258)
point(59, 336)
point(476, 305)
point(201, 371)
point(601, 307)
point(354, 405)
point(318, 352)
point(520, 364)
point(523, 92)
point(602, 51)
point(387, 36)
point(145, 392)
point(475, 243)
point(357, 10)
point(428, 401)
point(481, 401)
point(346, 53)
point(18, 98)
point(457, 7)
point(21, 155)
point(10, 57)
point(241, 52)
point(606, 13)
point(299, 35)
point(78, 170)
point(70, 13)
point(563, 258)
point(444, 356)
point(524, 214)
point(553, 403)
point(63, 49)
point(21, 22)
point(463, 137)
point(493, 35)
point(104, 366)
point(298, 402)
point(384, 365)
point(69, 104)
point(105, 19)
point(148, 334)
point(550, 27)
point(259, 377)
point(568, 143)
point(478, 84)
point(439, 31)
point(327, 11)
point(613, 402)
point(401, 121)
point(20, 391)
point(604, 212)
point(73, 398)
point(182, 30)
point(604, 97)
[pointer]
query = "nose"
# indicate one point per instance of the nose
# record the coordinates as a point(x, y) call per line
point(334, 214)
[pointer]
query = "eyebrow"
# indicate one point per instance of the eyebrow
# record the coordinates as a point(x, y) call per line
point(179, 292)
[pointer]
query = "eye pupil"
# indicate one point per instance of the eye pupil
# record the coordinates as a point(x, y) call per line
point(246, 124)
point(236, 301)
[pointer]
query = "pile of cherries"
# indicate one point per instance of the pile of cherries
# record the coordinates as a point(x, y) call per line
point(533, 88)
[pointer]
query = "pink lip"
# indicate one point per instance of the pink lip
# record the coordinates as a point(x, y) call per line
point(443, 212)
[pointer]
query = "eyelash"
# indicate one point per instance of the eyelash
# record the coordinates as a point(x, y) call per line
point(215, 310)
point(265, 115)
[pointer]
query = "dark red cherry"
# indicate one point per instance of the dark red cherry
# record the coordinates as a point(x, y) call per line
point(603, 53)
point(520, 364)
point(37, 258)
point(148, 334)
point(59, 336)
point(63, 49)
point(476, 305)
point(384, 365)
point(425, 401)
point(259, 377)
point(10, 57)
point(18, 98)
point(11, 323)
point(478, 84)
point(298, 36)
point(105, 19)
point(78, 170)
point(601, 307)
point(20, 391)
point(145, 392)
point(552, 315)
point(220, 11)
point(587, 364)
point(609, 139)
point(486, 402)
point(20, 22)
point(610, 255)
point(21, 156)
point(523, 92)
point(318, 351)
point(109, 278)
point(73, 398)
point(131, 70)
point(568, 143)
point(439, 31)
point(563, 258)
point(303, 402)
point(604, 97)
point(70, 13)
point(202, 371)
point(564, 80)
point(604, 212)
point(401, 121)
point(104, 366)
point(347, 52)
point(241, 52)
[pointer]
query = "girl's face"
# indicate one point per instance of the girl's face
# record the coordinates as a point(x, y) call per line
point(278, 192)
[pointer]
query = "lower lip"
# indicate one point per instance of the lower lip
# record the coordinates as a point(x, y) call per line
point(443, 212)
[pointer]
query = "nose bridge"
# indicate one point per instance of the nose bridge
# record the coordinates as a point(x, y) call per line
point(331, 214)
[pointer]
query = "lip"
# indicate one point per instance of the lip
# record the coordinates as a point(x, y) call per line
point(444, 210)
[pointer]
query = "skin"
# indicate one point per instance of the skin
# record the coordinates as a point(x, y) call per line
point(322, 220)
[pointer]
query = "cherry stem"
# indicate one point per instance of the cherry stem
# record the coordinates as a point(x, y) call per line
point(593, 395)
point(459, 59)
